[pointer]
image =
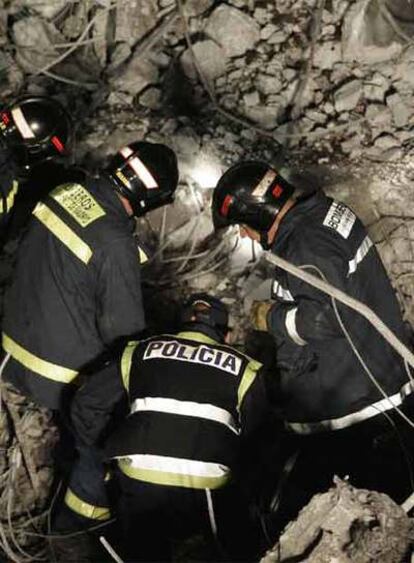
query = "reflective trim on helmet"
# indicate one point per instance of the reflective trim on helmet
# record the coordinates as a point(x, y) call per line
point(126, 362)
point(84, 508)
point(21, 123)
point(139, 168)
point(262, 187)
point(249, 375)
point(58, 144)
point(185, 408)
point(64, 233)
point(175, 472)
point(36, 364)
point(10, 198)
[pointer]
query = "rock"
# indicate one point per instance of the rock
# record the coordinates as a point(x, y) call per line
point(379, 118)
point(269, 84)
point(134, 19)
point(279, 37)
point(119, 55)
point(197, 7)
point(139, 74)
point(151, 98)
point(251, 98)
point(211, 58)
point(265, 117)
point(46, 8)
point(36, 37)
point(401, 112)
point(348, 95)
point(267, 31)
point(345, 525)
point(233, 30)
point(327, 55)
point(376, 87)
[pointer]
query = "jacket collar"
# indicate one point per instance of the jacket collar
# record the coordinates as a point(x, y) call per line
point(197, 336)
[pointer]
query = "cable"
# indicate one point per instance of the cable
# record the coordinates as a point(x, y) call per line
point(356, 352)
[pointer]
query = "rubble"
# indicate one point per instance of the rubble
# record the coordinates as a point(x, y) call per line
point(346, 525)
point(339, 101)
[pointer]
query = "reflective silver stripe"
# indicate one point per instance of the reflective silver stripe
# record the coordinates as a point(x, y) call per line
point(353, 418)
point(290, 323)
point(21, 123)
point(281, 292)
point(185, 408)
point(139, 168)
point(177, 465)
point(360, 254)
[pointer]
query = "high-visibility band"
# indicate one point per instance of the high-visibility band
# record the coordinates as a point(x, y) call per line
point(175, 472)
point(21, 123)
point(197, 336)
point(290, 322)
point(85, 509)
point(10, 198)
point(126, 362)
point(281, 292)
point(362, 251)
point(139, 168)
point(39, 366)
point(64, 233)
point(247, 379)
point(355, 417)
point(185, 408)
point(142, 255)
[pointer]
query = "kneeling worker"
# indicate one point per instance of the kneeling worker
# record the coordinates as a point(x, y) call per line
point(192, 403)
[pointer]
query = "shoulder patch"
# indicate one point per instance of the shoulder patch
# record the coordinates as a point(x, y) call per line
point(340, 218)
point(79, 203)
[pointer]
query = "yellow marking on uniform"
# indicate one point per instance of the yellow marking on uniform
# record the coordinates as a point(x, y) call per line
point(36, 364)
point(64, 233)
point(84, 508)
point(126, 362)
point(249, 375)
point(10, 198)
point(79, 203)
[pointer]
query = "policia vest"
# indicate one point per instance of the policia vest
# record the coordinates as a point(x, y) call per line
point(76, 289)
point(187, 395)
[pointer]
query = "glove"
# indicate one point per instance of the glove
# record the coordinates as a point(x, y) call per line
point(258, 314)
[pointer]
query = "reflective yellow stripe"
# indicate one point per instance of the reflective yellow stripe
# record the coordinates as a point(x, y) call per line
point(39, 366)
point(10, 198)
point(142, 256)
point(172, 479)
point(64, 233)
point(84, 508)
point(126, 362)
point(247, 379)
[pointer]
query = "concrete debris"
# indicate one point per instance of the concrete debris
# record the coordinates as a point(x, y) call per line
point(402, 113)
point(138, 74)
point(48, 9)
point(346, 525)
point(235, 31)
point(35, 39)
point(211, 58)
point(348, 96)
point(134, 19)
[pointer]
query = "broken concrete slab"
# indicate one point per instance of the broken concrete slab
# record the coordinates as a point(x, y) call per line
point(347, 96)
point(211, 58)
point(233, 30)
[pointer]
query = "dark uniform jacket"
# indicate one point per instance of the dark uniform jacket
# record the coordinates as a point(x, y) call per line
point(191, 402)
point(9, 186)
point(323, 384)
point(76, 289)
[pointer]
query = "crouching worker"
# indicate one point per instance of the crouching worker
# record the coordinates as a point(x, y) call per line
point(192, 401)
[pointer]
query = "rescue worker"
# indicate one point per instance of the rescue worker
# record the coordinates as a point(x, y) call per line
point(339, 386)
point(33, 130)
point(193, 402)
point(76, 289)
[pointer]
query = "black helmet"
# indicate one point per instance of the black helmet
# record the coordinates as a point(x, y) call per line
point(250, 193)
point(205, 313)
point(146, 174)
point(36, 129)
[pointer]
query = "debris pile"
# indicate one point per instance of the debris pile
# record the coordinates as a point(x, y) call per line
point(347, 525)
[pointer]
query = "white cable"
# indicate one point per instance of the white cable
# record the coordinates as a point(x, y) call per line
point(110, 549)
point(211, 514)
point(358, 355)
point(344, 298)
